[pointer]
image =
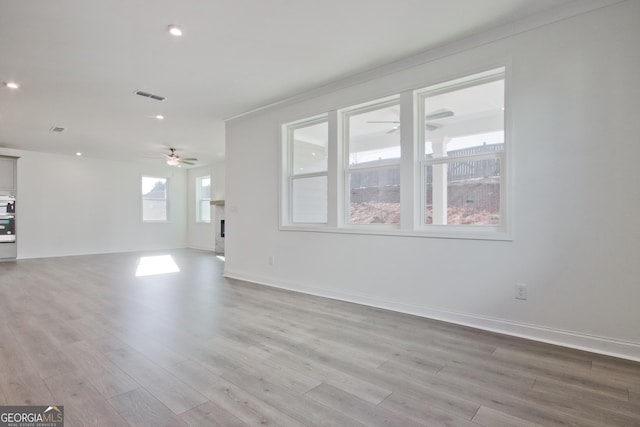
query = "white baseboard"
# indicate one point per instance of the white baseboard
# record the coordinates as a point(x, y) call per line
point(581, 341)
point(202, 248)
point(96, 252)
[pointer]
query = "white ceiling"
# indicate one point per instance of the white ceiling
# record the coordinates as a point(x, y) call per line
point(78, 62)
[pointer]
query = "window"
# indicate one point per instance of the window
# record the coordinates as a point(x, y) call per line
point(430, 162)
point(372, 135)
point(462, 147)
point(307, 162)
point(154, 199)
point(203, 199)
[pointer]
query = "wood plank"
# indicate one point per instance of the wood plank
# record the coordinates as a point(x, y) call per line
point(46, 357)
point(84, 406)
point(19, 382)
point(108, 379)
point(491, 418)
point(424, 411)
point(281, 375)
point(175, 394)
point(506, 382)
point(27, 389)
point(493, 396)
point(245, 406)
point(325, 373)
point(623, 371)
point(303, 410)
point(358, 409)
point(139, 408)
point(210, 414)
point(608, 411)
point(581, 389)
point(555, 363)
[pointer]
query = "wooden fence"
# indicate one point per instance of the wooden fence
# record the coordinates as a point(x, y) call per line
point(457, 170)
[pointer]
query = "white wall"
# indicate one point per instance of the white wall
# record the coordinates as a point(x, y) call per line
point(71, 205)
point(202, 235)
point(576, 143)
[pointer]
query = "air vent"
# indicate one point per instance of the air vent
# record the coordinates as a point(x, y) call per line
point(56, 129)
point(149, 95)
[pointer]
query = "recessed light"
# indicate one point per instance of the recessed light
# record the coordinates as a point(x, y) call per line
point(174, 30)
point(11, 85)
point(160, 117)
point(78, 154)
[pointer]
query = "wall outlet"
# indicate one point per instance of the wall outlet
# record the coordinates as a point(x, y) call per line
point(521, 291)
point(272, 260)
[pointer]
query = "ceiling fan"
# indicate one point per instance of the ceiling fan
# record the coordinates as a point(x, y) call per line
point(174, 160)
point(440, 114)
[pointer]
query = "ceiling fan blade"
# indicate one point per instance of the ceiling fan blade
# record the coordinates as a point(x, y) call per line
point(190, 159)
point(393, 130)
point(440, 114)
point(433, 126)
point(187, 163)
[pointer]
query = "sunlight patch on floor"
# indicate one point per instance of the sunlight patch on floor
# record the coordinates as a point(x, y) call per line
point(152, 265)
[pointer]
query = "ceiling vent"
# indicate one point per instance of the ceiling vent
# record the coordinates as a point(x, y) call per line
point(149, 95)
point(56, 129)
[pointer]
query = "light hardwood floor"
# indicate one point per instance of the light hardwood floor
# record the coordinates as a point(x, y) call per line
point(193, 348)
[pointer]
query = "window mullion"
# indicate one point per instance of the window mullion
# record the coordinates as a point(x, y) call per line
point(408, 185)
point(334, 164)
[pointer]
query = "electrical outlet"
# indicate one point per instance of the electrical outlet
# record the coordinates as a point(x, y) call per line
point(521, 291)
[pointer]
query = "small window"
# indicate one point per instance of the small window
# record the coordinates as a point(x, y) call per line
point(307, 145)
point(372, 135)
point(154, 199)
point(203, 199)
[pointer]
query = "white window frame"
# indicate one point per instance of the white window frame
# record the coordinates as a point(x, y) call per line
point(166, 200)
point(289, 175)
point(345, 114)
point(499, 73)
point(412, 167)
point(200, 199)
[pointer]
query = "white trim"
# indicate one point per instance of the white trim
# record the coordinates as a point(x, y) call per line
point(287, 175)
point(465, 232)
point(571, 339)
point(565, 11)
point(166, 201)
point(334, 181)
point(199, 200)
point(348, 169)
point(507, 193)
point(409, 185)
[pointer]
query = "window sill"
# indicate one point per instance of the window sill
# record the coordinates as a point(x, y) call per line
point(437, 232)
